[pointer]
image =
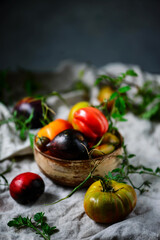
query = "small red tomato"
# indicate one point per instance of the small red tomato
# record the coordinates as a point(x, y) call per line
point(91, 122)
point(26, 187)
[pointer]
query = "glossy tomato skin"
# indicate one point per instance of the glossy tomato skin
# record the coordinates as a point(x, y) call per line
point(26, 187)
point(54, 128)
point(109, 207)
point(42, 143)
point(105, 93)
point(76, 107)
point(103, 149)
point(91, 122)
point(26, 106)
point(69, 144)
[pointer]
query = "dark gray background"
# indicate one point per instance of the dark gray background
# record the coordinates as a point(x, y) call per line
point(38, 35)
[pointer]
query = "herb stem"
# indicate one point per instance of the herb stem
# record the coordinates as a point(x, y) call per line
point(39, 232)
point(131, 183)
point(76, 188)
point(144, 172)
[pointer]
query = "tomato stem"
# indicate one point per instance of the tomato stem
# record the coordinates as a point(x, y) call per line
point(106, 185)
point(76, 188)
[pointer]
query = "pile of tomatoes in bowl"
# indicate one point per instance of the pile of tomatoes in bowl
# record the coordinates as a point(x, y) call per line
point(67, 150)
point(76, 138)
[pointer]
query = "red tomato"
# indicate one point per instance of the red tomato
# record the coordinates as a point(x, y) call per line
point(75, 108)
point(109, 206)
point(26, 187)
point(91, 122)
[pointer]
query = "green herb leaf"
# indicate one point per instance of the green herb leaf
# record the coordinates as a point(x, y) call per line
point(124, 89)
point(39, 217)
point(148, 114)
point(131, 155)
point(113, 96)
point(2, 174)
point(39, 224)
point(31, 139)
point(131, 72)
point(120, 105)
point(103, 77)
point(157, 170)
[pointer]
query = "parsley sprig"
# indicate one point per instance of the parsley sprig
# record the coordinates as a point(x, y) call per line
point(149, 105)
point(116, 81)
point(39, 225)
point(123, 173)
point(2, 174)
point(122, 104)
point(22, 125)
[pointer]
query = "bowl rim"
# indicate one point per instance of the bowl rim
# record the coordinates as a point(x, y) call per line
point(77, 161)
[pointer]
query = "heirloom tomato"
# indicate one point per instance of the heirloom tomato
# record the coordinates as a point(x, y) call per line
point(91, 122)
point(105, 93)
point(110, 204)
point(42, 143)
point(103, 149)
point(26, 106)
point(69, 144)
point(54, 128)
point(26, 187)
point(77, 106)
point(110, 138)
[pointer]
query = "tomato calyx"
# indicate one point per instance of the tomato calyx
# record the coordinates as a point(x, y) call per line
point(42, 142)
point(106, 184)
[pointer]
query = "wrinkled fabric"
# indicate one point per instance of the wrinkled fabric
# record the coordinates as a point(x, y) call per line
point(142, 139)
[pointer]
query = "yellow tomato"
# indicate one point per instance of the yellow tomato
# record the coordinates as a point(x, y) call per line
point(103, 149)
point(76, 107)
point(105, 93)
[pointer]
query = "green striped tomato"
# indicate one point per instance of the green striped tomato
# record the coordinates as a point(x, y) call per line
point(109, 206)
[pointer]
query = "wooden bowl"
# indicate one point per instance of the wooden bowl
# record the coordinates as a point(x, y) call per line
point(73, 172)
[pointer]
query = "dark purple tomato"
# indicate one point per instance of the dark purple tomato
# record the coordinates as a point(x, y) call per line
point(26, 187)
point(28, 105)
point(69, 144)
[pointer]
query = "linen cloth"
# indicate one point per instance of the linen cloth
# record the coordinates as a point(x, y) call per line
point(142, 138)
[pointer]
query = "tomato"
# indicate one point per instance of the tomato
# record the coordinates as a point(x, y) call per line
point(75, 108)
point(69, 144)
point(105, 93)
point(26, 187)
point(54, 128)
point(103, 149)
point(91, 122)
point(110, 138)
point(111, 205)
point(26, 106)
point(42, 143)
